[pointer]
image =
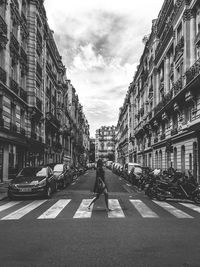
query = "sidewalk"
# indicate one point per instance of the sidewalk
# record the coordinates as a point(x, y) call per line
point(3, 189)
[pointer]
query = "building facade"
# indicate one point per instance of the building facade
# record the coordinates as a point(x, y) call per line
point(164, 96)
point(40, 115)
point(105, 143)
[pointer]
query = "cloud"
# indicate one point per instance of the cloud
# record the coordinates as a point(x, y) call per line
point(101, 43)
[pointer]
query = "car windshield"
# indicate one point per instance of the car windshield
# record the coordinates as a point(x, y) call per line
point(30, 172)
point(58, 168)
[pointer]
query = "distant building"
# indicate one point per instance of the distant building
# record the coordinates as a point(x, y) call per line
point(92, 150)
point(105, 143)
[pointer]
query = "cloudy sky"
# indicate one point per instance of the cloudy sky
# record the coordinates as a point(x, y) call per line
point(100, 42)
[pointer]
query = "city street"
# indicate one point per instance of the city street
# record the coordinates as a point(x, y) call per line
point(62, 232)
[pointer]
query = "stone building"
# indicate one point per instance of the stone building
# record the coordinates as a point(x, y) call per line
point(164, 96)
point(105, 143)
point(37, 123)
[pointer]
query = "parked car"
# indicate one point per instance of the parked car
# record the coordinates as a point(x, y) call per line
point(33, 181)
point(63, 175)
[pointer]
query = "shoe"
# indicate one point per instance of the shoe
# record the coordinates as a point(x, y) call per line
point(108, 210)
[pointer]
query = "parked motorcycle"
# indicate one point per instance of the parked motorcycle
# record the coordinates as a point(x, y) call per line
point(179, 188)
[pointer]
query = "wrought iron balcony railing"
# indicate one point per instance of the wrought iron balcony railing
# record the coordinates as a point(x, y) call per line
point(193, 71)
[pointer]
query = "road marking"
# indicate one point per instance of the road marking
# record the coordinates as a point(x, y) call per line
point(142, 208)
point(191, 206)
point(117, 211)
point(9, 205)
point(83, 211)
point(174, 211)
point(16, 215)
point(54, 210)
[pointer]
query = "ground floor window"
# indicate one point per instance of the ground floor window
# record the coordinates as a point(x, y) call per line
point(183, 158)
point(175, 158)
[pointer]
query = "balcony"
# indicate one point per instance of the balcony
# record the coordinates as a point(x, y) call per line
point(14, 86)
point(174, 131)
point(178, 86)
point(3, 75)
point(193, 71)
point(13, 127)
point(52, 120)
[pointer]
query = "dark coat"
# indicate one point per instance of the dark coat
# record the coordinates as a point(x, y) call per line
point(97, 188)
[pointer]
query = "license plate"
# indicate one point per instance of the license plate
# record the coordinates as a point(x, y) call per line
point(25, 190)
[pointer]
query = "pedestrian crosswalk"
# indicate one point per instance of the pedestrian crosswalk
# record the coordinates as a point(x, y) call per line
point(68, 208)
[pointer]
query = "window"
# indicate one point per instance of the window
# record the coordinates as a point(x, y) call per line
point(183, 158)
point(2, 57)
point(187, 114)
point(179, 33)
point(175, 158)
point(22, 118)
point(13, 113)
point(190, 161)
point(160, 159)
point(175, 120)
point(14, 70)
point(2, 9)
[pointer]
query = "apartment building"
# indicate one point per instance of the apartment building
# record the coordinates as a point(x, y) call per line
point(36, 123)
point(165, 91)
point(105, 143)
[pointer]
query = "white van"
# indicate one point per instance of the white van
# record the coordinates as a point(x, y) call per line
point(137, 168)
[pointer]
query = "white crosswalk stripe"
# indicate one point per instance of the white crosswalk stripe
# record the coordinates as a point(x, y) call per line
point(16, 215)
point(9, 205)
point(83, 211)
point(174, 211)
point(144, 211)
point(55, 207)
point(117, 211)
point(54, 210)
point(191, 206)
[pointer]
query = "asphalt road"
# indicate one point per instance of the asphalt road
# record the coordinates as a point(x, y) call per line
point(152, 236)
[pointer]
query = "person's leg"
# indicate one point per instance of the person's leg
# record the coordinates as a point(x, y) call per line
point(106, 199)
point(93, 200)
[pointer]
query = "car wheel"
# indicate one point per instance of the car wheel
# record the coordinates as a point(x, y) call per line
point(49, 192)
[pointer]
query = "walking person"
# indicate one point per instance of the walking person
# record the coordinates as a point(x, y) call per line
point(100, 186)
